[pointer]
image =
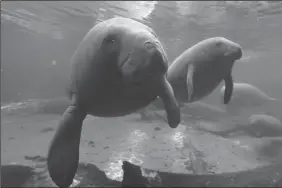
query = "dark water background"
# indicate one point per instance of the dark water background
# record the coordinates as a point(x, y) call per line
point(34, 34)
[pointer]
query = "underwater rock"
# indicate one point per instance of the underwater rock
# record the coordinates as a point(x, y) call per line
point(267, 176)
point(15, 175)
point(90, 175)
point(132, 176)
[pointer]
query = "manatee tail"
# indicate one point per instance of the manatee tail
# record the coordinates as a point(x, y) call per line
point(63, 154)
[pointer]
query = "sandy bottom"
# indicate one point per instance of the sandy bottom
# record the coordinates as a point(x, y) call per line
point(106, 142)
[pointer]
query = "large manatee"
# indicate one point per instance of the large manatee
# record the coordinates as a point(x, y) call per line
point(119, 67)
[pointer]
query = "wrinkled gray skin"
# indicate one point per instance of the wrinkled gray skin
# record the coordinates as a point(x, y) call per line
point(118, 68)
point(199, 70)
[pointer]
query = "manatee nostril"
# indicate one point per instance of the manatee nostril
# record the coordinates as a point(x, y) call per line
point(240, 53)
point(149, 45)
point(158, 63)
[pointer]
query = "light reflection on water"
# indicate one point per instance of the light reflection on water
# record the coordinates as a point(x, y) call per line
point(136, 9)
point(178, 136)
point(131, 154)
point(132, 149)
point(114, 169)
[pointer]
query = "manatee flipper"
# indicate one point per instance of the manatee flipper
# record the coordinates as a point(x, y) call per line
point(63, 154)
point(189, 82)
point(228, 88)
point(170, 104)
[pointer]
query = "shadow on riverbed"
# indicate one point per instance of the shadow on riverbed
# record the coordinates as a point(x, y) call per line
point(90, 175)
point(268, 176)
point(185, 151)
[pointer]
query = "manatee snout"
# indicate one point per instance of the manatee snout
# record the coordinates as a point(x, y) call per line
point(145, 63)
point(238, 52)
point(158, 61)
point(235, 50)
point(150, 46)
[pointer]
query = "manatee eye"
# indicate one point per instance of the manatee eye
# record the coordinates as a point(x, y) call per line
point(110, 39)
point(153, 33)
point(110, 43)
